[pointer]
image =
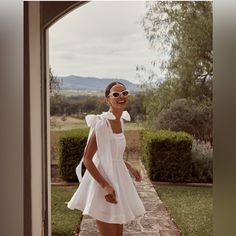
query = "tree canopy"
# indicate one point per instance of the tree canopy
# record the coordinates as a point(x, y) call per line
point(181, 34)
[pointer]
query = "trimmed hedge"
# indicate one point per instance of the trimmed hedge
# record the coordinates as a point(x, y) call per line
point(71, 146)
point(167, 155)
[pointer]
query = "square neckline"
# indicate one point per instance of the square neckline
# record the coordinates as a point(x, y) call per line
point(111, 130)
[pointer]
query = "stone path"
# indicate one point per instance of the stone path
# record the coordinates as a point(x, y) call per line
point(156, 221)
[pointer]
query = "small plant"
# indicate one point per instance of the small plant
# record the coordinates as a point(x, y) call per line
point(63, 118)
point(202, 161)
point(54, 123)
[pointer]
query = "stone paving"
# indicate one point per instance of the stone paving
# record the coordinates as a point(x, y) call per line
point(156, 221)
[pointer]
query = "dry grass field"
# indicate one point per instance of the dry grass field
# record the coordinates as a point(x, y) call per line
point(133, 147)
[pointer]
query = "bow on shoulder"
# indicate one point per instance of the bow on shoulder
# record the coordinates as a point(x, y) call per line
point(110, 116)
point(92, 119)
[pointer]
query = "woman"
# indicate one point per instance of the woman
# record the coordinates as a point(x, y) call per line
point(106, 191)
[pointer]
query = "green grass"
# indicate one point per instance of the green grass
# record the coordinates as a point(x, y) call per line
point(191, 208)
point(64, 220)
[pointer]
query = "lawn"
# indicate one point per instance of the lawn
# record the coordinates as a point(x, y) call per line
point(74, 123)
point(64, 220)
point(191, 207)
point(67, 124)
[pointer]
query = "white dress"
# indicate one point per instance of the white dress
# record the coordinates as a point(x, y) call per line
point(89, 197)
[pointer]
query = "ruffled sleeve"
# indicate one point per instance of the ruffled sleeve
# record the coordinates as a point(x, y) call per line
point(91, 121)
point(102, 132)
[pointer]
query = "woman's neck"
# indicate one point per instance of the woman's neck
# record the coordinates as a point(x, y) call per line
point(116, 113)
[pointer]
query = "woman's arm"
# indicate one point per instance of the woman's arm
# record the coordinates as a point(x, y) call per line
point(134, 171)
point(87, 160)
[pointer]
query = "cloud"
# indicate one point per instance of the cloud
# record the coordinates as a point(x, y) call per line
point(100, 39)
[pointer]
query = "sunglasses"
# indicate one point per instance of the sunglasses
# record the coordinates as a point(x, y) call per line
point(124, 93)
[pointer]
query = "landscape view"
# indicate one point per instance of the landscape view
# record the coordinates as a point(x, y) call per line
point(170, 135)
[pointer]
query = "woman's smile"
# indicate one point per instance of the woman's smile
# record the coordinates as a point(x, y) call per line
point(120, 102)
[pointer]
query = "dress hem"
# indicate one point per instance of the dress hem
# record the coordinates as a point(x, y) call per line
point(96, 217)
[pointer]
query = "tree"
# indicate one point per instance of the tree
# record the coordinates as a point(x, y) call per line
point(58, 104)
point(181, 35)
point(158, 98)
point(182, 32)
point(135, 107)
point(57, 101)
point(54, 82)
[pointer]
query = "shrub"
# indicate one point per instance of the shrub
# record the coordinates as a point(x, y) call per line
point(202, 162)
point(183, 115)
point(71, 146)
point(167, 155)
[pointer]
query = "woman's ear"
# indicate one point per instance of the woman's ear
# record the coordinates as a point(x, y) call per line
point(107, 102)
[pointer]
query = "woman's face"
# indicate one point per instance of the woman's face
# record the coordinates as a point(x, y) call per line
point(119, 102)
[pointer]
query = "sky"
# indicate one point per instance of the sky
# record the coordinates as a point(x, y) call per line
point(100, 39)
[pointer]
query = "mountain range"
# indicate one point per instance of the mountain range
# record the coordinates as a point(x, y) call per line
point(73, 82)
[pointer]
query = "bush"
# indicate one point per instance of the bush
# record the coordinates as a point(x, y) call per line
point(202, 162)
point(189, 117)
point(167, 155)
point(71, 146)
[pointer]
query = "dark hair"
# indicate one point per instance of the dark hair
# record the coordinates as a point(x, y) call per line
point(109, 86)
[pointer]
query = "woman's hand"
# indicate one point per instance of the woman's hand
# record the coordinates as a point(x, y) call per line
point(109, 194)
point(136, 173)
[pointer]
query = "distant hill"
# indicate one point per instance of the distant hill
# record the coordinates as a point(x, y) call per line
point(73, 82)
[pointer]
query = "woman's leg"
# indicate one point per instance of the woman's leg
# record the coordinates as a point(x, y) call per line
point(107, 229)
